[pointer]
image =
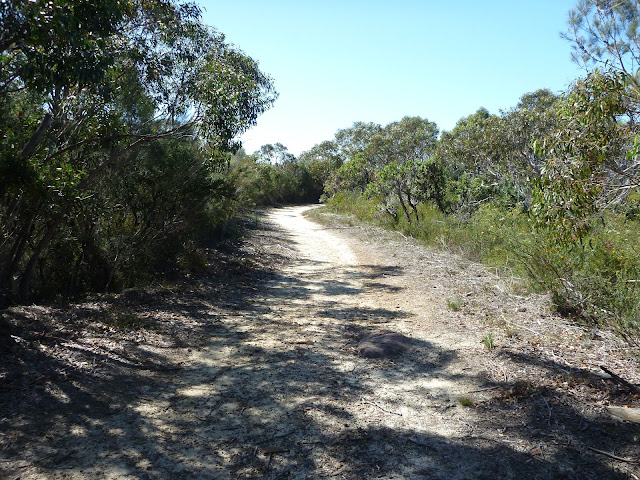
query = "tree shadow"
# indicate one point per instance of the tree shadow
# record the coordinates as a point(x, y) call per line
point(287, 408)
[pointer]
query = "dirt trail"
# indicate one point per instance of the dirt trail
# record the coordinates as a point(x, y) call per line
point(275, 387)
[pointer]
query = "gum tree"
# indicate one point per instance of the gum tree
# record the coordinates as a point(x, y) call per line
point(93, 85)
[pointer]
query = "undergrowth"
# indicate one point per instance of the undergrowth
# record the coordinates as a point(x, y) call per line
point(596, 281)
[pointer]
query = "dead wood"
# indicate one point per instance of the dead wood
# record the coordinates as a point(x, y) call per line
point(625, 413)
point(380, 407)
point(620, 380)
point(611, 455)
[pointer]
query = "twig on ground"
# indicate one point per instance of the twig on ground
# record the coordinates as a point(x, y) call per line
point(280, 435)
point(380, 407)
point(271, 451)
point(615, 457)
point(406, 239)
point(620, 380)
point(484, 389)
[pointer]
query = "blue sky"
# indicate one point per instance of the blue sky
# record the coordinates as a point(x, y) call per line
point(337, 62)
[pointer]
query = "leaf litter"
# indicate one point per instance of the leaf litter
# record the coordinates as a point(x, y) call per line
point(251, 370)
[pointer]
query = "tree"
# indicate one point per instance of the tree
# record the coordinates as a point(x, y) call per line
point(322, 161)
point(432, 183)
point(94, 85)
point(353, 140)
point(469, 146)
point(492, 156)
point(49, 46)
point(591, 162)
point(535, 116)
point(410, 139)
point(604, 34)
point(397, 154)
point(396, 183)
point(274, 154)
point(353, 175)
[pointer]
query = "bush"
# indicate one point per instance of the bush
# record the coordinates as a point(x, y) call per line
point(596, 280)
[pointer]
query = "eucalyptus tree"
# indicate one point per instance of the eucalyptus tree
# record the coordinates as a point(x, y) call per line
point(592, 160)
point(604, 34)
point(93, 84)
point(322, 161)
point(274, 154)
point(493, 156)
point(352, 170)
point(397, 154)
point(469, 146)
point(591, 163)
point(354, 140)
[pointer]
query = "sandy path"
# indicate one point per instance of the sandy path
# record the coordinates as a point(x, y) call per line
point(277, 390)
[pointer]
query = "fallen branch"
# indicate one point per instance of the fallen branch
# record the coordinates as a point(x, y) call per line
point(620, 380)
point(419, 443)
point(280, 435)
point(380, 407)
point(484, 389)
point(625, 413)
point(611, 455)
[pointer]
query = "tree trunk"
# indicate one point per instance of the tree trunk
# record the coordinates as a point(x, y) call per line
point(19, 246)
point(404, 206)
point(25, 281)
point(36, 138)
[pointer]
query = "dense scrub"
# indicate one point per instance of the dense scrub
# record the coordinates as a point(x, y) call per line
point(594, 282)
point(117, 121)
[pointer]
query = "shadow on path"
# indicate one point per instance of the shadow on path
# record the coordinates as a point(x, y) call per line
point(273, 389)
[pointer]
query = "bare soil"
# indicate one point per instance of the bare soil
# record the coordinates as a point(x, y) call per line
point(250, 369)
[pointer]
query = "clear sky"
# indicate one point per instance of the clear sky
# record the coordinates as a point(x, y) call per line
point(335, 62)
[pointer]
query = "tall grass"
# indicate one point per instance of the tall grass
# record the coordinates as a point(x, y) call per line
point(596, 281)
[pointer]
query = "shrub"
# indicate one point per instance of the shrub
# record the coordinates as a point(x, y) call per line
point(596, 280)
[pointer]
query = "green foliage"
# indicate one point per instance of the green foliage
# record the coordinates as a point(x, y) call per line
point(576, 185)
point(354, 140)
point(396, 184)
point(432, 183)
point(605, 34)
point(356, 205)
point(52, 45)
point(488, 340)
point(115, 119)
point(596, 281)
point(259, 182)
point(491, 158)
point(353, 175)
point(455, 304)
